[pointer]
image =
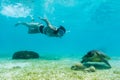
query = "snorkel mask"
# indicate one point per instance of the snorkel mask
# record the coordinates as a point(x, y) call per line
point(61, 31)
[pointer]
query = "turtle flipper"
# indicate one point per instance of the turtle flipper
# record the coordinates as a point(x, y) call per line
point(106, 62)
point(84, 61)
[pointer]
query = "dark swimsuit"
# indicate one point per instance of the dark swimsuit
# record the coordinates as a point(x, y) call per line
point(41, 28)
point(44, 30)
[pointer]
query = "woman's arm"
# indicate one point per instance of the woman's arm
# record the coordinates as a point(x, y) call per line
point(48, 23)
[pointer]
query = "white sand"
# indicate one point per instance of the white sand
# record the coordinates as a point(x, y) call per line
point(53, 70)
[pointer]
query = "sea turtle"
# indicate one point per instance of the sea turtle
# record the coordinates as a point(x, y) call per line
point(95, 56)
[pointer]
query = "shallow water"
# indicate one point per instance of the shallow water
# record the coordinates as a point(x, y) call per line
point(93, 25)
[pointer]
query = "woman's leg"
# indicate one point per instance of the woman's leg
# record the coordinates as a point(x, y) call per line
point(21, 23)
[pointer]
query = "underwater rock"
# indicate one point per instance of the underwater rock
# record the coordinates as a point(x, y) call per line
point(16, 67)
point(25, 55)
point(90, 69)
point(96, 56)
point(78, 66)
point(116, 72)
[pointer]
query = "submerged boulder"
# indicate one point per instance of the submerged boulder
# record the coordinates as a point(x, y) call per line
point(90, 69)
point(78, 66)
point(25, 55)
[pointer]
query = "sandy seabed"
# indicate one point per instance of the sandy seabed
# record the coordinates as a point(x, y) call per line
point(38, 69)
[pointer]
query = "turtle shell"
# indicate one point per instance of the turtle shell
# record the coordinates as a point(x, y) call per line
point(95, 56)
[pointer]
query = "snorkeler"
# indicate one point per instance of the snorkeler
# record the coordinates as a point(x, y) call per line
point(49, 30)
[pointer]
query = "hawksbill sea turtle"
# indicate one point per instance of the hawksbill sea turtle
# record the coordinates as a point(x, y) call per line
point(96, 56)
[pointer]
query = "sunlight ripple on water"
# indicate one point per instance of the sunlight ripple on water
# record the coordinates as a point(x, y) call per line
point(15, 10)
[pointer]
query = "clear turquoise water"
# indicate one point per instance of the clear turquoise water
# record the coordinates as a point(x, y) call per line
point(93, 24)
